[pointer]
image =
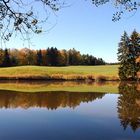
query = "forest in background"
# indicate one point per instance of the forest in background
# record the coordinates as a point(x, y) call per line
point(49, 57)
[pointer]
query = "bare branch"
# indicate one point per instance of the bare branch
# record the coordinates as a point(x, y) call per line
point(19, 16)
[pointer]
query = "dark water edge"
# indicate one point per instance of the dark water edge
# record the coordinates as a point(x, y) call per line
point(57, 81)
point(62, 115)
point(61, 82)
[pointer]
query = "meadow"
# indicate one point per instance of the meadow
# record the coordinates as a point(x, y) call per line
point(97, 73)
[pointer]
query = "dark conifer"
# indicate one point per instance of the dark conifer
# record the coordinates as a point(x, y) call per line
point(6, 59)
point(39, 58)
point(123, 56)
point(134, 53)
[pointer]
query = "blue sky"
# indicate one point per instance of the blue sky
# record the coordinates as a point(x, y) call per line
point(86, 28)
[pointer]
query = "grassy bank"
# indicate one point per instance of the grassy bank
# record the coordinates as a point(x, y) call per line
point(108, 72)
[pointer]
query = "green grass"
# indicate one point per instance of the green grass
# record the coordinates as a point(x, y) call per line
point(108, 72)
point(107, 87)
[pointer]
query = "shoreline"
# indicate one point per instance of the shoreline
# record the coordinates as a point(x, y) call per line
point(65, 78)
point(53, 78)
point(32, 86)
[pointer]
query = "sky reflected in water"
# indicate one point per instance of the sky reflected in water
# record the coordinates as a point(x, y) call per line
point(70, 115)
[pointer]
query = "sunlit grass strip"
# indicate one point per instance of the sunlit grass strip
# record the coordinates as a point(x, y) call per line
point(97, 73)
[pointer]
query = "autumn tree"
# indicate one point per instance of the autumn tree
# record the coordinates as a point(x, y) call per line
point(63, 58)
point(14, 57)
point(22, 57)
point(138, 62)
point(44, 57)
point(31, 57)
point(74, 57)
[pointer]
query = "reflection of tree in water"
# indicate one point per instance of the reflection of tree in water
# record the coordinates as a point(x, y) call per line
point(129, 105)
point(50, 100)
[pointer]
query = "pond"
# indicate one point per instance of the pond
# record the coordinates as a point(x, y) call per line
point(70, 115)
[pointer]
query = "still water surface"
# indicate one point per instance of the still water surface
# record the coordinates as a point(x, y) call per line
point(70, 115)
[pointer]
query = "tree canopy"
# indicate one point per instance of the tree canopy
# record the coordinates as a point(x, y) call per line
point(23, 16)
point(122, 6)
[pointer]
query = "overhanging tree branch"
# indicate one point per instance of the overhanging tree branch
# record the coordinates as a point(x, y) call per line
point(20, 16)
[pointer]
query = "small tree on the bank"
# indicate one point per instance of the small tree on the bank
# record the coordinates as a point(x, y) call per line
point(128, 52)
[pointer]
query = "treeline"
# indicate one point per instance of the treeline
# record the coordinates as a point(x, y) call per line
point(49, 57)
point(129, 56)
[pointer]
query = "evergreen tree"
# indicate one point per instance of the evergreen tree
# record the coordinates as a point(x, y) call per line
point(63, 58)
point(123, 57)
point(6, 59)
point(14, 61)
point(134, 52)
point(75, 57)
point(52, 56)
point(128, 52)
point(39, 58)
point(1, 56)
point(30, 57)
point(128, 105)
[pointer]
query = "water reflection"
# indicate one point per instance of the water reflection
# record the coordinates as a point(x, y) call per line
point(129, 105)
point(49, 100)
point(43, 86)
